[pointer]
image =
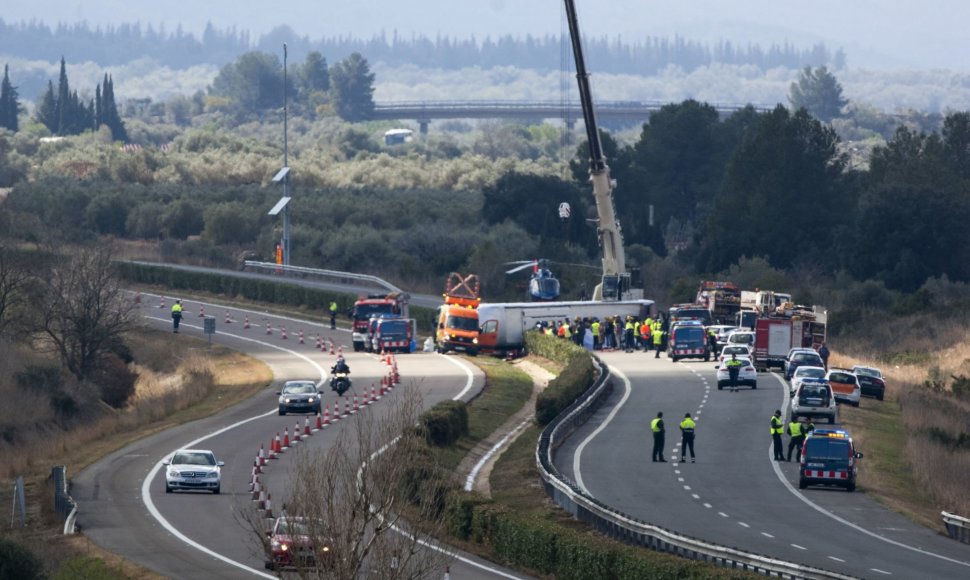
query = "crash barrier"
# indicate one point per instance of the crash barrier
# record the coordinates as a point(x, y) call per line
point(63, 502)
point(958, 527)
point(567, 495)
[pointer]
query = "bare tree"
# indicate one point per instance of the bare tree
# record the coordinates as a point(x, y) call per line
point(14, 281)
point(352, 497)
point(82, 310)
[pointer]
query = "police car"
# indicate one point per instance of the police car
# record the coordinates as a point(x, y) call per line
point(828, 458)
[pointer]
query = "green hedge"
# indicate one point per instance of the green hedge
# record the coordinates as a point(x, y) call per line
point(273, 291)
point(571, 383)
point(444, 423)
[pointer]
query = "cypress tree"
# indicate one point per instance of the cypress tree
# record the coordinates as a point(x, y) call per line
point(47, 109)
point(62, 111)
point(109, 111)
point(9, 104)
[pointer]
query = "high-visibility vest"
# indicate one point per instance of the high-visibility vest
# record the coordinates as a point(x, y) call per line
point(595, 327)
point(658, 337)
point(795, 429)
point(176, 308)
point(776, 425)
point(566, 333)
point(628, 326)
point(687, 425)
point(333, 307)
point(655, 425)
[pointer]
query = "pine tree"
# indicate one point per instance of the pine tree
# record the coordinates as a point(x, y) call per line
point(47, 112)
point(62, 110)
point(9, 104)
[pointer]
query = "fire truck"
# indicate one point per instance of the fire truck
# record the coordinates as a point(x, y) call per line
point(394, 304)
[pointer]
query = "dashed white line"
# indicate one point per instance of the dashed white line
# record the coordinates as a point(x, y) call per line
point(722, 514)
point(680, 479)
point(881, 571)
point(836, 559)
point(695, 496)
point(743, 524)
point(799, 547)
point(687, 487)
point(767, 535)
point(708, 506)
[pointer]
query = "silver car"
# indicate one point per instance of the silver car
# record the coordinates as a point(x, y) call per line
point(193, 469)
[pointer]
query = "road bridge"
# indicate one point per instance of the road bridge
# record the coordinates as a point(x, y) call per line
point(629, 112)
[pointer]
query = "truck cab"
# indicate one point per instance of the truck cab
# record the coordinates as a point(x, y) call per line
point(457, 329)
point(393, 334)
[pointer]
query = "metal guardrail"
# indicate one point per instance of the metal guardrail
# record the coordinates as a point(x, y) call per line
point(64, 504)
point(607, 520)
point(329, 274)
point(957, 526)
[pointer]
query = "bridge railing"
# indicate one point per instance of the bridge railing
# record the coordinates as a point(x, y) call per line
point(607, 520)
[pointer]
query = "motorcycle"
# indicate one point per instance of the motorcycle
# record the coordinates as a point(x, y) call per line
point(340, 382)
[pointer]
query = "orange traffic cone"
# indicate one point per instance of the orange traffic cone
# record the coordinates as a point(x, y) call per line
point(346, 407)
point(269, 328)
point(278, 447)
point(356, 406)
point(286, 439)
point(161, 303)
point(283, 333)
point(326, 416)
point(261, 458)
point(306, 427)
point(201, 311)
point(373, 393)
point(257, 489)
point(261, 498)
point(388, 359)
point(269, 506)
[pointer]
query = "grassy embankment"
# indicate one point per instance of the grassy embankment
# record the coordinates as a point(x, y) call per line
point(179, 381)
point(916, 442)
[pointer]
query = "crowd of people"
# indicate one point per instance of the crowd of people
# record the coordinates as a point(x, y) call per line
point(612, 333)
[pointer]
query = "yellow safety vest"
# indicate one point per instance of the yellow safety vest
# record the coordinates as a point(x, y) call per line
point(687, 425)
point(658, 337)
point(795, 429)
point(776, 425)
point(655, 425)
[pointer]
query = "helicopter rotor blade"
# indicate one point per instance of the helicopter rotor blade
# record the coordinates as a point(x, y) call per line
point(528, 264)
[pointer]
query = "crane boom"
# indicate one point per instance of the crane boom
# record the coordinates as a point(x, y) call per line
point(615, 278)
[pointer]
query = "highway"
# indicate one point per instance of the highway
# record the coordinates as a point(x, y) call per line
point(122, 502)
point(735, 495)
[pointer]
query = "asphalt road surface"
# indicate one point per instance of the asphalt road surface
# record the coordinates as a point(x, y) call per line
point(121, 498)
point(735, 495)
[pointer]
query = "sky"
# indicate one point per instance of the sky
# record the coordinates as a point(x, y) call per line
point(878, 34)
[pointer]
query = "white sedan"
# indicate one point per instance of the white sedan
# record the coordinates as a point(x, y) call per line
point(747, 376)
point(193, 469)
point(802, 373)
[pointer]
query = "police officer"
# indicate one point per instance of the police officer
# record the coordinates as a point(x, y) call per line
point(659, 434)
point(658, 339)
point(797, 433)
point(734, 369)
point(687, 438)
point(628, 329)
point(776, 431)
point(595, 327)
point(333, 314)
point(176, 315)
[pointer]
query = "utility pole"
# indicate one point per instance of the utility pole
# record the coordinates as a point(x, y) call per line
point(286, 178)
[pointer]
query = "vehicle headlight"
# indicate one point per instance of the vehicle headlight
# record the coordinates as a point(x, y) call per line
point(286, 400)
point(284, 547)
point(475, 341)
point(325, 549)
point(173, 473)
point(310, 400)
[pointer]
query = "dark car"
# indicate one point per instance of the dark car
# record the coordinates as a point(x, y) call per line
point(828, 458)
point(298, 543)
point(299, 397)
point(871, 381)
point(803, 358)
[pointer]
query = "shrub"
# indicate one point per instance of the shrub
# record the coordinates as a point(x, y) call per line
point(444, 423)
point(18, 562)
point(571, 383)
point(459, 512)
point(115, 380)
point(43, 378)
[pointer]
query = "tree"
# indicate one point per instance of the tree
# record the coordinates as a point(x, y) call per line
point(352, 497)
point(82, 310)
point(314, 75)
point(15, 281)
point(107, 111)
point(254, 82)
point(47, 108)
point(353, 88)
point(9, 104)
point(818, 92)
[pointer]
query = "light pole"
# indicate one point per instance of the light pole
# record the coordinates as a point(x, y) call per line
point(286, 177)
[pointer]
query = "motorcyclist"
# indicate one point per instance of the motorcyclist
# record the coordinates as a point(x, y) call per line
point(340, 366)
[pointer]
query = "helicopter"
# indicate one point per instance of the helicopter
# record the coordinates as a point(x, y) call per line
point(543, 284)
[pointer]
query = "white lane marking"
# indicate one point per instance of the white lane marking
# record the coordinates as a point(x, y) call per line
point(743, 524)
point(767, 535)
point(881, 571)
point(687, 487)
point(578, 455)
point(468, 374)
point(707, 505)
point(841, 520)
point(680, 479)
point(799, 547)
point(836, 559)
point(695, 496)
point(722, 514)
point(678, 471)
